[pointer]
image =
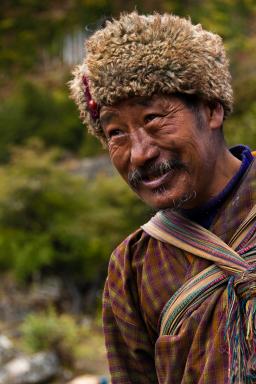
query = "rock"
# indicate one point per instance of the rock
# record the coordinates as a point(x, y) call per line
point(89, 379)
point(7, 350)
point(30, 370)
point(48, 291)
point(86, 379)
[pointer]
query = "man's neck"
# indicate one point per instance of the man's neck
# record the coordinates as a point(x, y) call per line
point(222, 171)
point(205, 213)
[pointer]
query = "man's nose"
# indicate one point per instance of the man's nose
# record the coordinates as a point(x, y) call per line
point(143, 148)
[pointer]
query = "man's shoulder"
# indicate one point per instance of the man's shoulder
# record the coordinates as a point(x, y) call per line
point(122, 260)
point(132, 252)
point(134, 241)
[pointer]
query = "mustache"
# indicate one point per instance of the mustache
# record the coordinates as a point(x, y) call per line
point(136, 176)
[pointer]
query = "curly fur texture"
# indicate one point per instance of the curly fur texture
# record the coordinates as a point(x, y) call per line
point(141, 55)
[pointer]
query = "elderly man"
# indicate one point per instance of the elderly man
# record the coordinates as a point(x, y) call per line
point(179, 302)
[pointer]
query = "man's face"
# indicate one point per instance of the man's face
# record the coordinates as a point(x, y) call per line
point(162, 148)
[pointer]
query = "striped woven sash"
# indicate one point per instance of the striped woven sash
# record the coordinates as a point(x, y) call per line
point(234, 265)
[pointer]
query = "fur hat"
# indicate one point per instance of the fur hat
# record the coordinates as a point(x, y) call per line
point(141, 55)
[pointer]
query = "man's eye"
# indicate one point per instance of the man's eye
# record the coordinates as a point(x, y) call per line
point(150, 117)
point(114, 132)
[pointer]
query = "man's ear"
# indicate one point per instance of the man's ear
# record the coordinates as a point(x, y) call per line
point(216, 115)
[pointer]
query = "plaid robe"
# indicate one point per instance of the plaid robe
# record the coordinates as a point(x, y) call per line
point(143, 274)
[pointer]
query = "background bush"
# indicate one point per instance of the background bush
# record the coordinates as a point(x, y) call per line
point(44, 331)
point(55, 221)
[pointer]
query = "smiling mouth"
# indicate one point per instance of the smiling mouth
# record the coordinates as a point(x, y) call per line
point(155, 175)
point(154, 181)
point(150, 176)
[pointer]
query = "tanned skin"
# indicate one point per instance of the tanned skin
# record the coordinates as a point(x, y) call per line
point(169, 154)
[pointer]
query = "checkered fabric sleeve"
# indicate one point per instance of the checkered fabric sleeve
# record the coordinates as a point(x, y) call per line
point(130, 350)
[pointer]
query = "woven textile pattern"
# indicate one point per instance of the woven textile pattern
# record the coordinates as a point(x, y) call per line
point(143, 274)
point(229, 268)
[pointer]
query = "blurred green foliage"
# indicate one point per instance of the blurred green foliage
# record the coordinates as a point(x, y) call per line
point(35, 110)
point(31, 31)
point(77, 342)
point(53, 220)
point(47, 330)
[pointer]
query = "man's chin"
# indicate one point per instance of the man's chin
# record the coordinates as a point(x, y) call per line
point(159, 201)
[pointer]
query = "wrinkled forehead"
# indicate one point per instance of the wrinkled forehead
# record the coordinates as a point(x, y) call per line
point(137, 105)
point(110, 112)
point(107, 112)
